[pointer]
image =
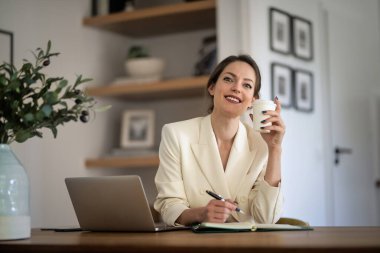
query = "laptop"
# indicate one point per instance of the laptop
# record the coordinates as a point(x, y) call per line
point(113, 203)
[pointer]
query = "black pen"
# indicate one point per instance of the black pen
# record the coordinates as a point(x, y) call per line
point(219, 197)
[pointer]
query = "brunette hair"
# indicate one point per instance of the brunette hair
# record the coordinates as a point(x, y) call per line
point(223, 64)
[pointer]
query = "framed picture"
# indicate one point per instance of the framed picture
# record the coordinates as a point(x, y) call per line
point(137, 129)
point(302, 38)
point(280, 24)
point(6, 47)
point(282, 83)
point(303, 90)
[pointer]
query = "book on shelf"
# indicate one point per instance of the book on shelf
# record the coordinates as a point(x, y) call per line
point(210, 227)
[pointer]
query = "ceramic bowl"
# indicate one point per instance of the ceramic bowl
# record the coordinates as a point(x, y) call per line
point(145, 67)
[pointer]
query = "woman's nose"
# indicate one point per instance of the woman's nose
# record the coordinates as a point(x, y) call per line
point(236, 87)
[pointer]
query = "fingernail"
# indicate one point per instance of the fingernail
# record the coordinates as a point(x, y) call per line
point(263, 121)
point(264, 112)
point(276, 98)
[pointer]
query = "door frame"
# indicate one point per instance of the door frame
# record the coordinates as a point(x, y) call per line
point(327, 115)
point(375, 120)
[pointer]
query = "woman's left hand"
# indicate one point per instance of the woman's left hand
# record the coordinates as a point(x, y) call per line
point(277, 129)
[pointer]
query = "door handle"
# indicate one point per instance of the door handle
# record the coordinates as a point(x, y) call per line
point(340, 151)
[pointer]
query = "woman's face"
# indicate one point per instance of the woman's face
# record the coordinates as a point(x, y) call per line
point(234, 89)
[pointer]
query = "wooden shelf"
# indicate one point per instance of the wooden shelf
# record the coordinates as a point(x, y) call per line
point(174, 88)
point(160, 20)
point(123, 162)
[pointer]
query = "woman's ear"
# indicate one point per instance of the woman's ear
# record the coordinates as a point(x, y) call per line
point(211, 89)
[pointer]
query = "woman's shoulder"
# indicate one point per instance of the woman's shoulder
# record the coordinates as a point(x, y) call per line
point(184, 123)
point(186, 126)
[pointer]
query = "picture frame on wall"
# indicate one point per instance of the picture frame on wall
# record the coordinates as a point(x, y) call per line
point(281, 79)
point(303, 90)
point(6, 47)
point(302, 37)
point(280, 31)
point(137, 129)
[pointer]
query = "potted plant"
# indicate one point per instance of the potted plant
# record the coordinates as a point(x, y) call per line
point(29, 102)
point(140, 66)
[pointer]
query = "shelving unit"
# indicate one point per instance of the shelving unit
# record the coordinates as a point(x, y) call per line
point(143, 23)
point(174, 88)
point(123, 162)
point(160, 20)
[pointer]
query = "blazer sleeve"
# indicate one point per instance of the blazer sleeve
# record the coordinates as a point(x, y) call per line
point(266, 201)
point(171, 200)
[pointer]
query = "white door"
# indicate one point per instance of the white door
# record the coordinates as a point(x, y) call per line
point(353, 61)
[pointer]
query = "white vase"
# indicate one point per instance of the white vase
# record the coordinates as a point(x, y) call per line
point(14, 197)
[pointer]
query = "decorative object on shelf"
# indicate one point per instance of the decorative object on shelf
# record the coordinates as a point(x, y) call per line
point(6, 47)
point(280, 31)
point(207, 56)
point(137, 129)
point(303, 90)
point(282, 83)
point(30, 101)
point(141, 67)
point(302, 38)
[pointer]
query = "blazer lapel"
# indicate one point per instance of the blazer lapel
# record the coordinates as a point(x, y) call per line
point(207, 155)
point(240, 160)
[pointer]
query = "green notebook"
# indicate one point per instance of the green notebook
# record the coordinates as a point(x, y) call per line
point(210, 227)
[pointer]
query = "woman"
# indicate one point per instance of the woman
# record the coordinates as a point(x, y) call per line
point(221, 154)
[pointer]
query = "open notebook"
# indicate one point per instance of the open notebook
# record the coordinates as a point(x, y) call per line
point(209, 227)
point(112, 203)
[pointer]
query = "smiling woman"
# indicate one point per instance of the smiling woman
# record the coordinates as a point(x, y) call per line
point(220, 153)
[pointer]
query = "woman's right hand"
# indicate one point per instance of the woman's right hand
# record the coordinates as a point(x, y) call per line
point(218, 211)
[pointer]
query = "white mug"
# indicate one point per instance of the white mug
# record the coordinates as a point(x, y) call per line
point(258, 106)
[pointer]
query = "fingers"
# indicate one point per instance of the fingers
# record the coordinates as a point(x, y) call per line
point(278, 104)
point(219, 211)
point(275, 118)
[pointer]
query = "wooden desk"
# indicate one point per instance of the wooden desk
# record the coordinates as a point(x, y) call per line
point(322, 239)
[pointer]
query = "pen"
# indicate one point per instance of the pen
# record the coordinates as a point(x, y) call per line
point(219, 197)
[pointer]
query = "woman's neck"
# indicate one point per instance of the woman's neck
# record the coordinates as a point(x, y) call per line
point(224, 128)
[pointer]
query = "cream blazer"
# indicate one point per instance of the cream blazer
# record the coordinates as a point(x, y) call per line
point(190, 164)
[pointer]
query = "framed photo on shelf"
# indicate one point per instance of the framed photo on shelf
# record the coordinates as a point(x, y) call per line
point(137, 129)
point(281, 79)
point(6, 47)
point(303, 90)
point(302, 38)
point(280, 30)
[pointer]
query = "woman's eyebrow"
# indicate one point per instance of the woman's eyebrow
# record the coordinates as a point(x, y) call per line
point(232, 74)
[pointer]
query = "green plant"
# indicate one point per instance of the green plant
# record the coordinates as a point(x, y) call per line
point(30, 101)
point(137, 52)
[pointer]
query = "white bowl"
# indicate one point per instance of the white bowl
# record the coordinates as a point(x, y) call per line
point(145, 67)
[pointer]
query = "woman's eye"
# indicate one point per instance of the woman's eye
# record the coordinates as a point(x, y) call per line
point(247, 85)
point(227, 79)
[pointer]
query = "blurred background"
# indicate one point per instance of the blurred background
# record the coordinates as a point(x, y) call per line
point(321, 57)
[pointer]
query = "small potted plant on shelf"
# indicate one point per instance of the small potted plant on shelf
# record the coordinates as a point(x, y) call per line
point(140, 66)
point(29, 102)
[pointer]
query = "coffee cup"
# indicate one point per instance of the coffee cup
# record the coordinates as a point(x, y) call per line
point(258, 106)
